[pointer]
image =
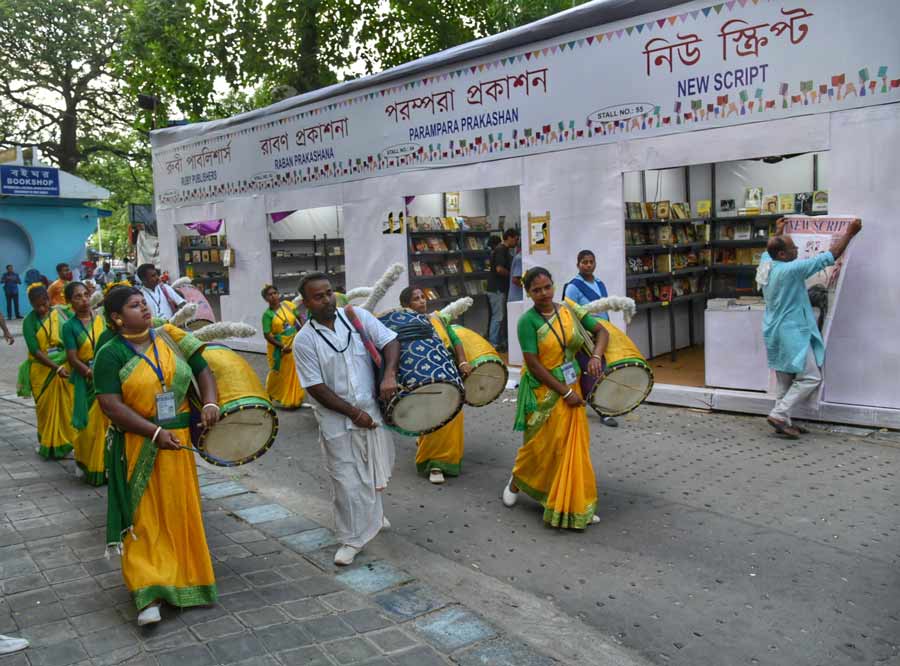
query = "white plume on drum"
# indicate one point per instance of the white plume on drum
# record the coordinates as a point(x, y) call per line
point(621, 304)
point(381, 287)
point(225, 329)
point(96, 299)
point(184, 314)
point(181, 282)
point(359, 292)
point(458, 307)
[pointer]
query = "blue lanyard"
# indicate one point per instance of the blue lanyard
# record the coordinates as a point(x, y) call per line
point(156, 368)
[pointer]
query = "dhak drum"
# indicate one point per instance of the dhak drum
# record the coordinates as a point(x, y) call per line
point(204, 314)
point(489, 375)
point(626, 380)
point(431, 391)
point(247, 423)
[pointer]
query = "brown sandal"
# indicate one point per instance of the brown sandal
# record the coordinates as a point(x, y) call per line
point(782, 428)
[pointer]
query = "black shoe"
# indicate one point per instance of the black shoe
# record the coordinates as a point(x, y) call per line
point(609, 421)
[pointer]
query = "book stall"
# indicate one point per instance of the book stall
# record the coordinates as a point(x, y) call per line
point(665, 137)
point(204, 257)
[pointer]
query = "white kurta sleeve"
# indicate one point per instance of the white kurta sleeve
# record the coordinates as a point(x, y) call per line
point(306, 361)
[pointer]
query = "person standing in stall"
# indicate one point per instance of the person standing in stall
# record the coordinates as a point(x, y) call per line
point(794, 345)
point(440, 452)
point(141, 377)
point(162, 300)
point(554, 464)
point(335, 365)
point(80, 336)
point(498, 286)
point(11, 282)
point(45, 374)
point(280, 324)
point(56, 290)
point(584, 288)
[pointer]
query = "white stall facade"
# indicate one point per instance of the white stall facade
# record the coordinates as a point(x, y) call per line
point(574, 116)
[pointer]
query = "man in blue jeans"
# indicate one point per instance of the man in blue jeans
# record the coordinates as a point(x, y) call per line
point(11, 282)
point(498, 286)
point(583, 289)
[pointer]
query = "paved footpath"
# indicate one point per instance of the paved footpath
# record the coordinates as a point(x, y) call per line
point(282, 601)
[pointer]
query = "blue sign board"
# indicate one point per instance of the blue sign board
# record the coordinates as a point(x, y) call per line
point(29, 181)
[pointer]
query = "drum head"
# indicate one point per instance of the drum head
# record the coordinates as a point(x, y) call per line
point(624, 386)
point(244, 432)
point(425, 408)
point(486, 383)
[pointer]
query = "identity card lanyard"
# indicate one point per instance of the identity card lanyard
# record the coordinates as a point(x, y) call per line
point(89, 332)
point(570, 375)
point(165, 401)
point(328, 342)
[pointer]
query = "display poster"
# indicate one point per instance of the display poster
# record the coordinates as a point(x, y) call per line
point(692, 67)
point(29, 181)
point(539, 233)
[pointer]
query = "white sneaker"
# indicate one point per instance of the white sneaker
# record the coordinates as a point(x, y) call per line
point(385, 523)
point(509, 497)
point(436, 476)
point(8, 644)
point(595, 519)
point(150, 615)
point(79, 473)
point(345, 555)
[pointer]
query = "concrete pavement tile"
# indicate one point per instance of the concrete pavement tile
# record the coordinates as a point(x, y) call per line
point(43, 532)
point(324, 559)
point(223, 522)
point(22, 584)
point(31, 523)
point(288, 526)
point(9, 536)
point(61, 654)
point(27, 600)
point(237, 648)
point(346, 600)
point(410, 601)
point(260, 562)
point(58, 557)
point(305, 656)
point(128, 654)
point(304, 608)
point(306, 542)
point(263, 660)
point(222, 569)
point(230, 584)
point(420, 656)
point(102, 565)
point(366, 619)
point(284, 636)
point(118, 595)
point(264, 547)
point(176, 639)
point(217, 539)
point(231, 551)
point(17, 566)
point(194, 655)
point(502, 653)
point(241, 601)
point(241, 502)
point(109, 640)
point(453, 628)
point(109, 579)
point(391, 640)
point(373, 577)
point(351, 650)
point(318, 585)
point(263, 578)
point(218, 628)
point(66, 573)
point(49, 634)
point(302, 569)
point(292, 591)
point(263, 513)
point(86, 604)
point(222, 489)
point(247, 536)
point(262, 617)
point(24, 513)
point(17, 659)
point(91, 622)
point(193, 615)
point(328, 628)
point(75, 588)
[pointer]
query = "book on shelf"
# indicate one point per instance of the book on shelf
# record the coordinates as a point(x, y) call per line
point(663, 264)
point(753, 210)
point(634, 265)
point(665, 234)
point(704, 208)
point(649, 210)
point(196, 256)
point(467, 266)
point(479, 222)
point(726, 232)
point(786, 203)
point(634, 210)
point(473, 243)
point(694, 282)
point(214, 241)
point(665, 292)
point(475, 287)
point(770, 204)
point(662, 210)
point(449, 224)
point(214, 256)
point(756, 257)
point(454, 290)
point(744, 256)
point(419, 245)
point(706, 256)
point(432, 293)
point(820, 201)
point(437, 244)
point(453, 266)
point(679, 261)
point(437, 268)
point(743, 231)
point(727, 207)
point(417, 268)
point(682, 287)
point(681, 234)
point(726, 255)
point(753, 197)
point(680, 211)
point(803, 202)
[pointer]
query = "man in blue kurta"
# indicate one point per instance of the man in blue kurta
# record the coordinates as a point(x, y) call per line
point(794, 345)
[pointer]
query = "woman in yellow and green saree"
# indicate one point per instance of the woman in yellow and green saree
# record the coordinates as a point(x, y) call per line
point(80, 335)
point(141, 377)
point(440, 452)
point(45, 375)
point(280, 324)
point(554, 464)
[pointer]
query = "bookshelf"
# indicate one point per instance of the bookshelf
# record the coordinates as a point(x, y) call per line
point(294, 257)
point(201, 259)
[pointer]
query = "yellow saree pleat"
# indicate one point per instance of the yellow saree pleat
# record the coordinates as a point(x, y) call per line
point(282, 382)
point(554, 464)
point(52, 395)
point(90, 441)
point(169, 558)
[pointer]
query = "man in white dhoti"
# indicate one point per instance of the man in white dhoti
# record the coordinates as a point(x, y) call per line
point(336, 369)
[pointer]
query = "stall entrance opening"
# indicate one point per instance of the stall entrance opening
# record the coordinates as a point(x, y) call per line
point(694, 237)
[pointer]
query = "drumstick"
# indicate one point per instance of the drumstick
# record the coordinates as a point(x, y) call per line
point(209, 456)
point(609, 379)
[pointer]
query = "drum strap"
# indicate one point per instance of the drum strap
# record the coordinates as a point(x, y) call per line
point(166, 338)
point(588, 337)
